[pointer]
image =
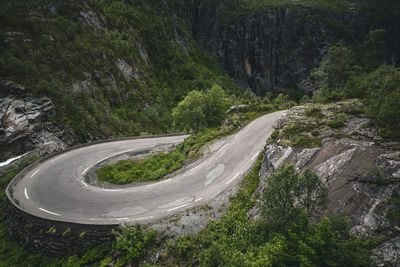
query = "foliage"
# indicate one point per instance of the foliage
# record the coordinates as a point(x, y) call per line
point(53, 49)
point(157, 166)
point(287, 195)
point(383, 99)
point(132, 242)
point(333, 73)
point(189, 113)
point(339, 77)
point(236, 241)
point(198, 110)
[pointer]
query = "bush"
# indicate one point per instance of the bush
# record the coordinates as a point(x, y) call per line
point(132, 242)
point(295, 194)
point(199, 109)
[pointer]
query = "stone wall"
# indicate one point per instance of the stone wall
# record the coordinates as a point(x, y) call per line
point(55, 237)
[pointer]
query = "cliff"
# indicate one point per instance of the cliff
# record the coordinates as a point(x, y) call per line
point(273, 46)
point(361, 170)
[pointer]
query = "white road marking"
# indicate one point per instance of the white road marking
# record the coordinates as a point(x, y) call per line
point(84, 183)
point(35, 173)
point(101, 160)
point(58, 158)
point(85, 170)
point(215, 194)
point(26, 194)
point(254, 156)
point(198, 199)
point(111, 190)
point(53, 213)
point(231, 180)
point(222, 147)
point(199, 166)
point(120, 219)
point(184, 205)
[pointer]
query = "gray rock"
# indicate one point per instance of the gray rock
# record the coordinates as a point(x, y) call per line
point(388, 254)
point(270, 49)
point(24, 124)
point(362, 177)
point(238, 109)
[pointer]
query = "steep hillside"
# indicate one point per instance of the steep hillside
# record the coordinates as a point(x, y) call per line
point(111, 68)
point(273, 45)
point(361, 169)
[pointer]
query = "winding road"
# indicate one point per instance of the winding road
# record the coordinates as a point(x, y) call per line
point(56, 188)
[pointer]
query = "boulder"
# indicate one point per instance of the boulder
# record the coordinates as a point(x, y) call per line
point(24, 124)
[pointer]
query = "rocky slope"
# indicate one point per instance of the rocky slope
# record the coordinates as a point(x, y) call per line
point(25, 125)
point(271, 49)
point(361, 170)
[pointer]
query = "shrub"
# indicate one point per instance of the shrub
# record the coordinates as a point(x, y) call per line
point(132, 241)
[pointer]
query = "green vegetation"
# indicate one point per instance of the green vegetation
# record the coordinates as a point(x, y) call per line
point(132, 242)
point(296, 194)
point(363, 74)
point(198, 110)
point(52, 50)
point(236, 241)
point(157, 166)
point(213, 104)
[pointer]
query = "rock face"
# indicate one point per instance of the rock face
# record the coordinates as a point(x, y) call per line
point(273, 49)
point(24, 124)
point(362, 175)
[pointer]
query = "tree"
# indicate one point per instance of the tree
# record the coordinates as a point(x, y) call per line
point(215, 105)
point(278, 199)
point(287, 195)
point(383, 99)
point(333, 73)
point(312, 192)
point(197, 109)
point(189, 113)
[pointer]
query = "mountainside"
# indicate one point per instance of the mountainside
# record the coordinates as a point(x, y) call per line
point(273, 45)
point(110, 68)
point(361, 170)
point(77, 71)
point(118, 68)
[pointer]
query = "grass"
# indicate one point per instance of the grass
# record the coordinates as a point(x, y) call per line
point(158, 166)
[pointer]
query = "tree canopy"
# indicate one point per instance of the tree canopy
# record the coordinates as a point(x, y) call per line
point(200, 109)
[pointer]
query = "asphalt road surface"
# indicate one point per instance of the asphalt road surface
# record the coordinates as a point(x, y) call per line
point(56, 189)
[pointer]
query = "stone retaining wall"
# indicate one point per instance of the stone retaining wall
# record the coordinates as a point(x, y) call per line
point(50, 236)
point(55, 237)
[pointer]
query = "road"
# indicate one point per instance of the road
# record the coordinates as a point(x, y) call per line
point(56, 189)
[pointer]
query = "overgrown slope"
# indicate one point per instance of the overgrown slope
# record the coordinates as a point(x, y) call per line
point(111, 68)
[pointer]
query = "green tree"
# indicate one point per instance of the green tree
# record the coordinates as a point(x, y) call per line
point(287, 195)
point(215, 105)
point(199, 109)
point(313, 193)
point(383, 99)
point(189, 113)
point(278, 199)
point(333, 73)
